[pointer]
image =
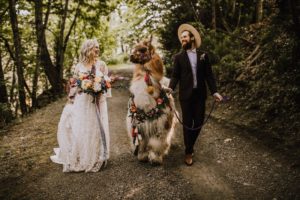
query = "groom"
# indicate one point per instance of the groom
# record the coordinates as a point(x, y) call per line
point(192, 70)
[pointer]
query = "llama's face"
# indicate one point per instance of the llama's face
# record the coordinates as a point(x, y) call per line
point(140, 54)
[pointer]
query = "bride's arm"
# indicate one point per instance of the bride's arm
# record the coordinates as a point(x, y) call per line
point(104, 70)
point(73, 84)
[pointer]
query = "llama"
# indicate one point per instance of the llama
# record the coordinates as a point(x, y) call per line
point(150, 119)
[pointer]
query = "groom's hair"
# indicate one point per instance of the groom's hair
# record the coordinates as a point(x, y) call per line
point(191, 36)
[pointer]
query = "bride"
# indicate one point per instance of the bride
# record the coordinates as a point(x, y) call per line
point(83, 131)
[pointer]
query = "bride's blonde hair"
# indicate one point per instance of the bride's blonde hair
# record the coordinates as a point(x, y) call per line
point(86, 55)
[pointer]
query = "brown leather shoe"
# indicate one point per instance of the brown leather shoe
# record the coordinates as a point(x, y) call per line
point(188, 159)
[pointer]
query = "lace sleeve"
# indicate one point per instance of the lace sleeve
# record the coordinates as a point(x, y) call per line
point(103, 67)
point(104, 70)
point(75, 70)
point(73, 83)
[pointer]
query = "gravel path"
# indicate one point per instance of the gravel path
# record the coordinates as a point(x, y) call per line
point(229, 163)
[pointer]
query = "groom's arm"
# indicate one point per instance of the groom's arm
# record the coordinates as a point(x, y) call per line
point(209, 76)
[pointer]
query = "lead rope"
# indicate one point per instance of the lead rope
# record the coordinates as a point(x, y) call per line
point(199, 127)
point(225, 99)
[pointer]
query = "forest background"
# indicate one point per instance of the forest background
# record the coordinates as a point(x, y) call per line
point(253, 45)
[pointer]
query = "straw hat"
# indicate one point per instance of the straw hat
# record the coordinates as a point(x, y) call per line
point(190, 28)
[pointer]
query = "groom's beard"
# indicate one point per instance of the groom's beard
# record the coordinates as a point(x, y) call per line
point(187, 45)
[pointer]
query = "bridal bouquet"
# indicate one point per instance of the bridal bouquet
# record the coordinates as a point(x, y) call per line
point(91, 84)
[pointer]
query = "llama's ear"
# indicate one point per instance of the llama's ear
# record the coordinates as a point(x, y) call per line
point(150, 41)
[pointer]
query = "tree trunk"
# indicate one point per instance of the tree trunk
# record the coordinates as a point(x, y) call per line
point(213, 15)
point(13, 85)
point(62, 40)
point(16, 108)
point(35, 79)
point(259, 11)
point(295, 7)
point(46, 84)
point(65, 38)
point(239, 17)
point(223, 20)
point(122, 44)
point(283, 7)
point(60, 43)
point(233, 8)
point(45, 59)
point(5, 109)
point(3, 91)
point(18, 55)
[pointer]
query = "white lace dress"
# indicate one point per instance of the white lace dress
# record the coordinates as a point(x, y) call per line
point(83, 130)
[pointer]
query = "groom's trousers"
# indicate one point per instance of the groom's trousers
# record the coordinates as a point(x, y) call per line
point(193, 112)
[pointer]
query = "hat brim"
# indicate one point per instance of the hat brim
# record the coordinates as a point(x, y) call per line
point(190, 28)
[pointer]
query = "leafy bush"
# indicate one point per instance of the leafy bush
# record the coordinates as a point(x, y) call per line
point(112, 61)
point(121, 58)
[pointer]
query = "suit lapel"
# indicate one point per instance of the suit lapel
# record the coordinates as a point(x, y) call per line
point(187, 60)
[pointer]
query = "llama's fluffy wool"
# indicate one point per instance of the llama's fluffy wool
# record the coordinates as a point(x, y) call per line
point(156, 134)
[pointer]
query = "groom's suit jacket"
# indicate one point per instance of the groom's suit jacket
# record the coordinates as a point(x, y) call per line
point(182, 73)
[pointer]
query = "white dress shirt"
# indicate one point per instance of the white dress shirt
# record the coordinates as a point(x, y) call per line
point(192, 54)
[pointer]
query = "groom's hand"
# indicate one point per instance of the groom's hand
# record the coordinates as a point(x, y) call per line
point(167, 90)
point(218, 97)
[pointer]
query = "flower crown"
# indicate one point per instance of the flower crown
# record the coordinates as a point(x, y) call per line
point(140, 54)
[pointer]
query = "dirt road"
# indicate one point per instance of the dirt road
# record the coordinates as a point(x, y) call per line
point(229, 164)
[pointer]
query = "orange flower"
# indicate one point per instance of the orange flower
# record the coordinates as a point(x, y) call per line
point(98, 79)
point(89, 85)
point(133, 108)
point(150, 89)
point(108, 85)
point(81, 76)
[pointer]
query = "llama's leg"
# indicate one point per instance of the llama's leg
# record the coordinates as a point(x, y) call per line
point(167, 141)
point(155, 151)
point(142, 152)
point(169, 133)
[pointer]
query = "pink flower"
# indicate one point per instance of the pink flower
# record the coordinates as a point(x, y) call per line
point(72, 81)
point(159, 101)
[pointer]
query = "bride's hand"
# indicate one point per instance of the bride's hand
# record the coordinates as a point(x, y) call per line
point(167, 90)
point(113, 78)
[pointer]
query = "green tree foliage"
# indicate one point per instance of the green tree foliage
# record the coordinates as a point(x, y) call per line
point(65, 25)
point(254, 46)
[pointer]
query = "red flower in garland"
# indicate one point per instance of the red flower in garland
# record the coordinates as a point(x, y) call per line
point(159, 101)
point(85, 77)
point(147, 78)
